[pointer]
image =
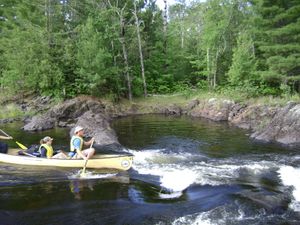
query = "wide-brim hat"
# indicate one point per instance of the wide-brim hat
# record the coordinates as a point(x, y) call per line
point(47, 138)
point(77, 129)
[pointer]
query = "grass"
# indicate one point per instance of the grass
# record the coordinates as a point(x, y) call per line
point(183, 98)
point(11, 111)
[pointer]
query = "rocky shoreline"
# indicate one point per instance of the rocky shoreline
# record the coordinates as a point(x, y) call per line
point(266, 123)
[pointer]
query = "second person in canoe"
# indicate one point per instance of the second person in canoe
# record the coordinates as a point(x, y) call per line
point(46, 149)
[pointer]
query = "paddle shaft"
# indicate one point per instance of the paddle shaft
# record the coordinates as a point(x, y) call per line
point(84, 167)
point(5, 133)
point(18, 143)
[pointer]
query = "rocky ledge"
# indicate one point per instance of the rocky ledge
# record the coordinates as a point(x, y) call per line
point(267, 123)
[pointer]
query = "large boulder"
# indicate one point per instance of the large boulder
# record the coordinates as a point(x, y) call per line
point(64, 114)
point(86, 112)
point(41, 122)
point(97, 125)
point(284, 126)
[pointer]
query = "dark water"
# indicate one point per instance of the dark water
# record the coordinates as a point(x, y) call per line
point(186, 171)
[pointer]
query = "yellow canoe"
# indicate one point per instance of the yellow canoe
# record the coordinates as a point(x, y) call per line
point(110, 161)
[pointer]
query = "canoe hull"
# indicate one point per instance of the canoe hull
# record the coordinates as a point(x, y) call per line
point(119, 162)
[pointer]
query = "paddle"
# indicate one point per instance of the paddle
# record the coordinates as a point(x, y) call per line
point(23, 147)
point(84, 167)
point(18, 143)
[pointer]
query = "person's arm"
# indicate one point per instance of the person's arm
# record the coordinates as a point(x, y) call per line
point(43, 152)
point(77, 145)
point(88, 143)
point(81, 155)
point(5, 137)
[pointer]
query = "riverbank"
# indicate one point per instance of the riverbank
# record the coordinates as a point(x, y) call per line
point(268, 119)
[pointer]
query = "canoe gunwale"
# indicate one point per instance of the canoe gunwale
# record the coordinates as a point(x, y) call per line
point(112, 161)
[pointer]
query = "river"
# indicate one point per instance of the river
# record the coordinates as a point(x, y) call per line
point(186, 171)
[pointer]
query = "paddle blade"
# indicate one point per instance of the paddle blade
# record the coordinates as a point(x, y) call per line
point(21, 146)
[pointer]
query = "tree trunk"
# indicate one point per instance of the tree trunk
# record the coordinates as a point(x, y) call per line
point(216, 69)
point(208, 67)
point(140, 49)
point(120, 13)
point(113, 50)
point(48, 20)
point(122, 40)
point(165, 24)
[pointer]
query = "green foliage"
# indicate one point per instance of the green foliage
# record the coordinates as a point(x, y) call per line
point(92, 60)
point(10, 111)
point(28, 64)
point(67, 48)
point(243, 67)
point(277, 30)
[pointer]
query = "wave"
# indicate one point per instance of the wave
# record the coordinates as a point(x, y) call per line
point(290, 176)
point(178, 171)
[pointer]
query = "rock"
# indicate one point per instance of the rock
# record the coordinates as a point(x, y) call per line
point(213, 109)
point(97, 125)
point(64, 114)
point(84, 112)
point(267, 123)
point(192, 104)
point(173, 110)
point(252, 117)
point(39, 123)
point(284, 126)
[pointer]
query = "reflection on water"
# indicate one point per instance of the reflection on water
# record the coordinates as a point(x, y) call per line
point(185, 171)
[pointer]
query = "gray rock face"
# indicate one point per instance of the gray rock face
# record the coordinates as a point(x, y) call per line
point(97, 126)
point(281, 124)
point(213, 109)
point(284, 126)
point(39, 123)
point(254, 117)
point(87, 113)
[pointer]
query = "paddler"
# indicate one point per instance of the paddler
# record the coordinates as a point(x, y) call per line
point(77, 143)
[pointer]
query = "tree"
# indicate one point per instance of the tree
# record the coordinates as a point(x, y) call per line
point(29, 65)
point(121, 13)
point(243, 68)
point(278, 50)
point(137, 23)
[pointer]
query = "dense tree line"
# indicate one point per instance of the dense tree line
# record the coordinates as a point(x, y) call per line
point(126, 48)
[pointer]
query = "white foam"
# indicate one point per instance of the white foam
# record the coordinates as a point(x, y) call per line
point(171, 195)
point(178, 175)
point(222, 215)
point(90, 175)
point(178, 180)
point(200, 219)
point(290, 176)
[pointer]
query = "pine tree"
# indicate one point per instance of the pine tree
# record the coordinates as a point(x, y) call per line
point(243, 68)
point(278, 41)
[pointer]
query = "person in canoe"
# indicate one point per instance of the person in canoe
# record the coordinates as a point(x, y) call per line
point(77, 143)
point(4, 146)
point(46, 149)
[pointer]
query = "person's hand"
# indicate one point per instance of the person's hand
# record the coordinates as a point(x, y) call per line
point(91, 141)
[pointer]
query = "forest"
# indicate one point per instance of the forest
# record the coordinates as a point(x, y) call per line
point(133, 48)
